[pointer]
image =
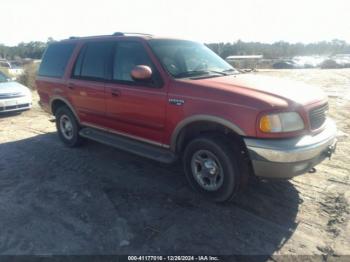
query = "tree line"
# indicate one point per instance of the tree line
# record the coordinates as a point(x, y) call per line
point(280, 49)
point(32, 50)
point(35, 49)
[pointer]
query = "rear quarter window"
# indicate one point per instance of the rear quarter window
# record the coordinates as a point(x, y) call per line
point(55, 59)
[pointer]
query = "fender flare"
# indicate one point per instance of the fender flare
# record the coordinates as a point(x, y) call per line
point(65, 101)
point(196, 118)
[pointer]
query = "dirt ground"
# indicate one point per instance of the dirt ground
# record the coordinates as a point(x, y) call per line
point(98, 200)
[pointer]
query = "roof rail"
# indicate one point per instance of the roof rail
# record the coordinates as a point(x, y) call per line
point(114, 34)
point(128, 33)
point(118, 34)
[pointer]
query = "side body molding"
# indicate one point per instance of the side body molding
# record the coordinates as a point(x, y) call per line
point(64, 100)
point(198, 118)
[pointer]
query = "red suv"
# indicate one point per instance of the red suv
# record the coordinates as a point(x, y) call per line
point(166, 99)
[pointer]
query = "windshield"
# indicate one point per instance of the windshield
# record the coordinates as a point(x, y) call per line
point(183, 58)
point(3, 77)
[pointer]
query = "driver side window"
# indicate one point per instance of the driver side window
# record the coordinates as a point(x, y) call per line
point(127, 55)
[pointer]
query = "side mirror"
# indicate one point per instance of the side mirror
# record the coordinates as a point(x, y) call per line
point(141, 73)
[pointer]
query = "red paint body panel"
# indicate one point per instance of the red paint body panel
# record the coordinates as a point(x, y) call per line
point(138, 111)
point(89, 100)
point(146, 113)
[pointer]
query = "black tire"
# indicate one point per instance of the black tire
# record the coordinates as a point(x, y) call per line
point(233, 166)
point(73, 140)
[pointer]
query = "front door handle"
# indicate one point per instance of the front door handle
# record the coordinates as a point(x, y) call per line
point(115, 92)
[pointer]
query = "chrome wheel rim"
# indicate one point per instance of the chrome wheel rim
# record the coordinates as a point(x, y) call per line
point(66, 127)
point(207, 170)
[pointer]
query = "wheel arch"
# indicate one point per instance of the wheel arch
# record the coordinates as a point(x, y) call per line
point(201, 123)
point(58, 101)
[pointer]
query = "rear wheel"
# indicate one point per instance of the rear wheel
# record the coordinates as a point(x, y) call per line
point(67, 127)
point(215, 167)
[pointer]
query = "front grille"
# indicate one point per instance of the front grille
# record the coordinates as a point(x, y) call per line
point(10, 95)
point(14, 107)
point(317, 116)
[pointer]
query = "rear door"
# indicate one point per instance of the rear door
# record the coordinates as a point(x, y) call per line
point(133, 107)
point(87, 83)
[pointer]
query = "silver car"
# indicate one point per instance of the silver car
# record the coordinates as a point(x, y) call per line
point(13, 95)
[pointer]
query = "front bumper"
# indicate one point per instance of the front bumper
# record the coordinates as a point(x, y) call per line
point(285, 158)
point(15, 104)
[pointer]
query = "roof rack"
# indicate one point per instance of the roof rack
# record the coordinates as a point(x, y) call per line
point(114, 34)
point(128, 33)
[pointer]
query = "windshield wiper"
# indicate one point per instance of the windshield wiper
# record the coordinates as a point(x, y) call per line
point(230, 70)
point(218, 72)
point(198, 72)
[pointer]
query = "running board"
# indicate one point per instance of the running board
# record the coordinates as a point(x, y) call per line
point(139, 148)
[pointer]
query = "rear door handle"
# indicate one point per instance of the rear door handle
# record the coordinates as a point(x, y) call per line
point(71, 86)
point(115, 92)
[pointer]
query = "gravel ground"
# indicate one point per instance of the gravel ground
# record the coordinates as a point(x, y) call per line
point(98, 200)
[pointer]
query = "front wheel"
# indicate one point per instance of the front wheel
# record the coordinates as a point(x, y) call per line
point(67, 127)
point(214, 166)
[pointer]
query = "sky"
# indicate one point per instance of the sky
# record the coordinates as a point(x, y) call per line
point(205, 21)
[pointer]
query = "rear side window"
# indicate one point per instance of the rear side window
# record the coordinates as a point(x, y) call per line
point(55, 59)
point(92, 61)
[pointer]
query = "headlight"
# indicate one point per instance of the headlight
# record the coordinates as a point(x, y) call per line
point(281, 122)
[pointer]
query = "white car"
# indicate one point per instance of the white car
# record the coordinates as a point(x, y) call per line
point(13, 95)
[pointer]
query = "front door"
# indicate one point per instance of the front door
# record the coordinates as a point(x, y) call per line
point(135, 108)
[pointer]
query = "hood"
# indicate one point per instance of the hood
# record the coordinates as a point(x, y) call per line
point(269, 89)
point(13, 87)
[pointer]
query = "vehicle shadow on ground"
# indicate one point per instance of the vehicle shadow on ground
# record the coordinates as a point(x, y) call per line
point(99, 200)
point(10, 114)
